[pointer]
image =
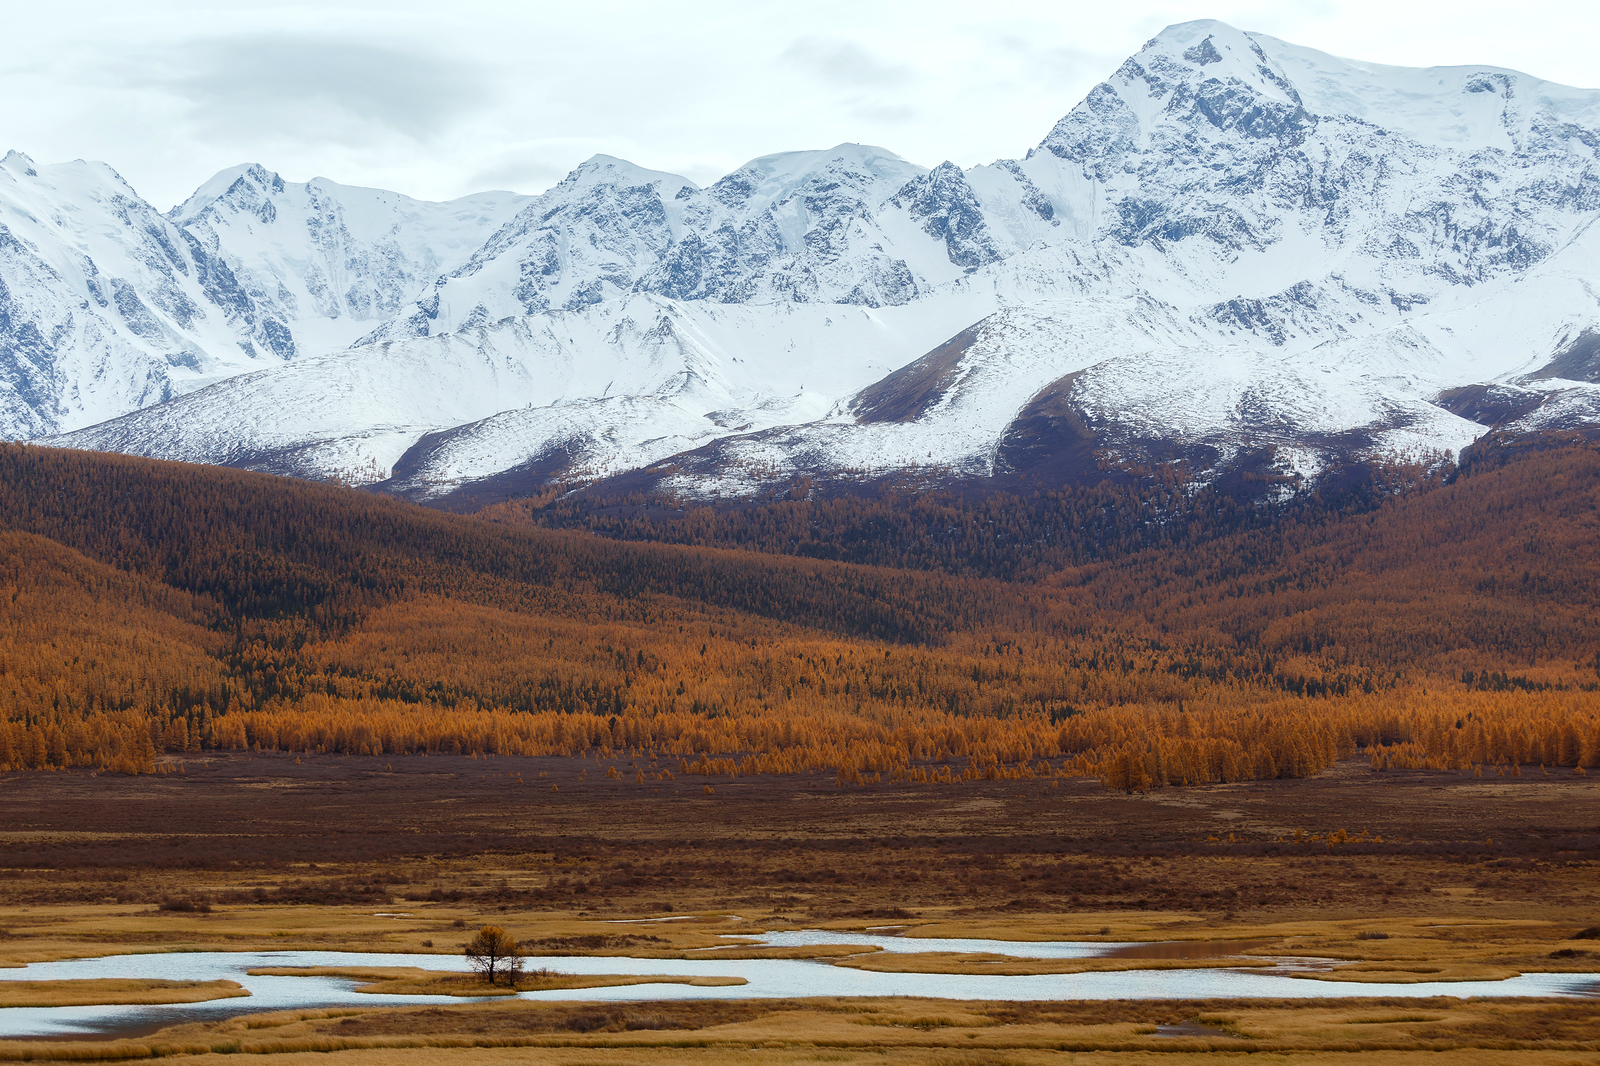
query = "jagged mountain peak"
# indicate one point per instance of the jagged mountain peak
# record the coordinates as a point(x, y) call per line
point(1213, 51)
point(221, 184)
point(105, 305)
point(863, 170)
point(1202, 80)
point(108, 305)
point(1456, 107)
point(771, 177)
point(333, 259)
point(1230, 73)
point(22, 164)
point(601, 169)
point(89, 178)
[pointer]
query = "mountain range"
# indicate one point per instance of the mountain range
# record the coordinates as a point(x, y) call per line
point(1233, 251)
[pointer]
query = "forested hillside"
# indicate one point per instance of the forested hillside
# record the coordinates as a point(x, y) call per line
point(984, 534)
point(156, 606)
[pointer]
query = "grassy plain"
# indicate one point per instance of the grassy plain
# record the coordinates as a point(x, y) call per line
point(1474, 878)
point(114, 990)
point(1364, 1031)
point(415, 981)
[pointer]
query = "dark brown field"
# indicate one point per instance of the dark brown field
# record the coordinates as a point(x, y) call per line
point(354, 828)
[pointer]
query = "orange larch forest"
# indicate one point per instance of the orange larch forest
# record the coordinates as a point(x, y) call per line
point(1443, 621)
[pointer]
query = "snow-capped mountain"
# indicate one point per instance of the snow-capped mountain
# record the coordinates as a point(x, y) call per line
point(1232, 244)
point(107, 306)
point(104, 305)
point(797, 227)
point(333, 260)
point(637, 376)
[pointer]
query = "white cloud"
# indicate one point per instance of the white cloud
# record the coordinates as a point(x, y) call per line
point(844, 63)
point(317, 87)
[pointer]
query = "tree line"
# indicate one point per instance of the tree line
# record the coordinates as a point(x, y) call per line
point(201, 609)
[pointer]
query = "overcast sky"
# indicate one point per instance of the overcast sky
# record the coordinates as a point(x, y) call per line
point(440, 99)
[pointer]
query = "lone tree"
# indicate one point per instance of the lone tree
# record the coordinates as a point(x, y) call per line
point(492, 952)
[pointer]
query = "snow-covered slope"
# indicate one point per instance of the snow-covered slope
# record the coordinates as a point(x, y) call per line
point(791, 227)
point(1233, 243)
point(600, 383)
point(333, 260)
point(107, 306)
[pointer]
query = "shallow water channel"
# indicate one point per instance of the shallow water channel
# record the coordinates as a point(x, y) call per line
point(767, 978)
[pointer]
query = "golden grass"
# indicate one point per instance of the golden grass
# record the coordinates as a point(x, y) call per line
point(414, 981)
point(778, 1056)
point(798, 951)
point(1119, 925)
point(1448, 944)
point(47, 932)
point(109, 991)
point(1356, 1032)
point(1392, 974)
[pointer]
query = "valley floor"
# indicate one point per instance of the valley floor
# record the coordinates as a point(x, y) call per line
point(1396, 876)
